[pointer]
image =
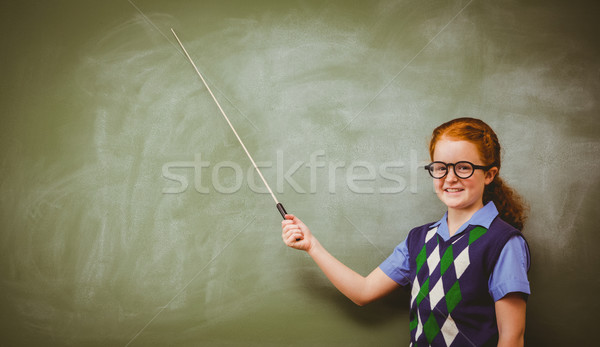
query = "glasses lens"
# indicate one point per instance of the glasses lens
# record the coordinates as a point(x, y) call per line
point(437, 169)
point(463, 169)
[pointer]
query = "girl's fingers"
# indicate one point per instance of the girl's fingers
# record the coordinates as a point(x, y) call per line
point(292, 240)
point(289, 216)
point(290, 228)
point(293, 234)
point(289, 225)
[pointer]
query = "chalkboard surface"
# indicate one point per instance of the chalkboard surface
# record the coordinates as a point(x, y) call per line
point(130, 215)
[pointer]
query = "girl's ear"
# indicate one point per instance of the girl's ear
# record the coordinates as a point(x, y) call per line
point(490, 175)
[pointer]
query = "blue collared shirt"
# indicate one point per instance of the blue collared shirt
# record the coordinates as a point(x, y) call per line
point(509, 274)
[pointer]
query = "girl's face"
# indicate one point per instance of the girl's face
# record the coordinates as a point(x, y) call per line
point(461, 194)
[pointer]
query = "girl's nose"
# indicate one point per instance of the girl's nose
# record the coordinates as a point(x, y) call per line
point(451, 176)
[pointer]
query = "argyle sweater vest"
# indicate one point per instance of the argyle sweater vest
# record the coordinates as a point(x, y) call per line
point(450, 300)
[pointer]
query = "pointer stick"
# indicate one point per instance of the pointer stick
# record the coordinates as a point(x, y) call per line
point(279, 205)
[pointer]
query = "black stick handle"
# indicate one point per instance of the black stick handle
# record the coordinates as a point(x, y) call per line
point(281, 210)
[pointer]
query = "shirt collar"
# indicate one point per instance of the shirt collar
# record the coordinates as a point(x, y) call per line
point(483, 217)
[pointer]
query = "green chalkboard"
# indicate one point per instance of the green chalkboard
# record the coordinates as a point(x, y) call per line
point(130, 215)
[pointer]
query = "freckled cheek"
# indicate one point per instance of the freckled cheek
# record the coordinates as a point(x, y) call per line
point(437, 185)
point(474, 185)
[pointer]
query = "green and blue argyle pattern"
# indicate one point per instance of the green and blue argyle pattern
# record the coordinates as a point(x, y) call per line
point(436, 289)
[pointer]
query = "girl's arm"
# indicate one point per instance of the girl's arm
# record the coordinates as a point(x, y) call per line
point(510, 314)
point(361, 290)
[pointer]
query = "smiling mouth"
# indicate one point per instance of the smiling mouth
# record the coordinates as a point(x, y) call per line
point(453, 190)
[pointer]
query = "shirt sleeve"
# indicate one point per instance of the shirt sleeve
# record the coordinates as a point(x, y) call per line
point(396, 266)
point(510, 273)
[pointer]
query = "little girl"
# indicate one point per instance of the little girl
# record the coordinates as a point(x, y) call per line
point(467, 271)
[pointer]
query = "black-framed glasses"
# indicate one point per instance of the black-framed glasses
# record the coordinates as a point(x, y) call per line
point(462, 169)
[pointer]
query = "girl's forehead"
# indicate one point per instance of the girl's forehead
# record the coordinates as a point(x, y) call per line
point(451, 150)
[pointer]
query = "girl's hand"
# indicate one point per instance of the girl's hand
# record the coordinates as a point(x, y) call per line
point(295, 234)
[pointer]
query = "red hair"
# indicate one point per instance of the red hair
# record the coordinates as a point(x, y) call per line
point(511, 206)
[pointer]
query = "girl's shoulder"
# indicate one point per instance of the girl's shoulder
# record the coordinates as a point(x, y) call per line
point(420, 233)
point(501, 226)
